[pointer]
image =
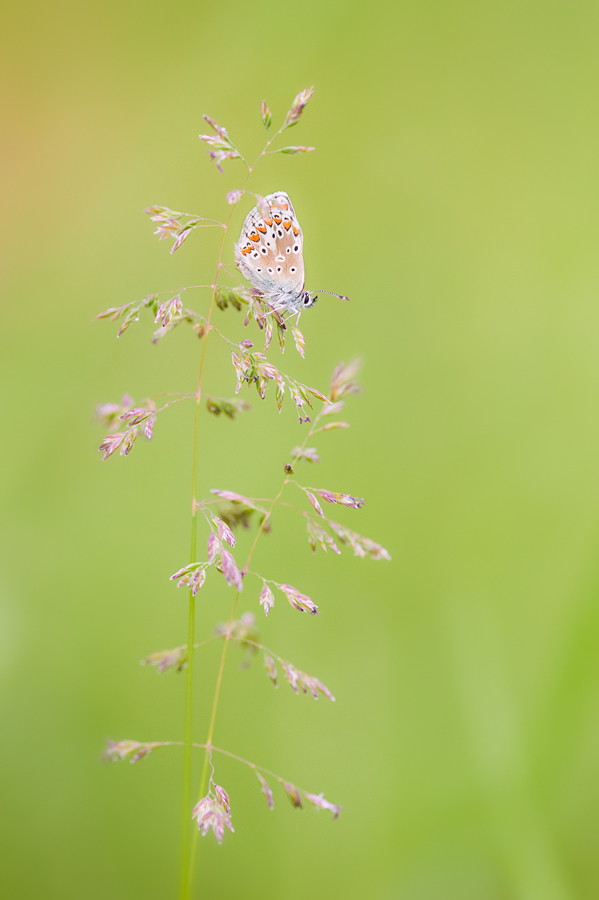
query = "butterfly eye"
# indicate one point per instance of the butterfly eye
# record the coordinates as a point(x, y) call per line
point(307, 300)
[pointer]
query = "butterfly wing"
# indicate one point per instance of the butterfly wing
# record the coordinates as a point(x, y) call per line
point(269, 250)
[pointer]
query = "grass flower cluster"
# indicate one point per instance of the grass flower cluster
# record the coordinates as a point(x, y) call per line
point(224, 511)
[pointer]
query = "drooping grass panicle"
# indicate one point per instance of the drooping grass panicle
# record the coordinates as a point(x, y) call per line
point(244, 632)
point(204, 811)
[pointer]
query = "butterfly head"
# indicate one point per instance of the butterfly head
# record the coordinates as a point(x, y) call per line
point(307, 299)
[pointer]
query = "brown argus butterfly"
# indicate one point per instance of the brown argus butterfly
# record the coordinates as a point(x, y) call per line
point(269, 254)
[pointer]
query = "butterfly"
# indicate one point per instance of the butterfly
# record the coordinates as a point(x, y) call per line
point(269, 254)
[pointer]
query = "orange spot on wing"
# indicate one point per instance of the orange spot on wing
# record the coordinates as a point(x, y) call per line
point(268, 221)
point(254, 237)
point(287, 225)
point(278, 219)
point(261, 228)
point(295, 231)
point(284, 206)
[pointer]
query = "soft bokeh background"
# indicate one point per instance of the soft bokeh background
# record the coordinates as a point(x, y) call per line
point(454, 195)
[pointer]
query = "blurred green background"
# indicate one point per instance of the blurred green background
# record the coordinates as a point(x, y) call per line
point(454, 195)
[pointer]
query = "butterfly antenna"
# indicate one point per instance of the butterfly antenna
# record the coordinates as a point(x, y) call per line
point(333, 294)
